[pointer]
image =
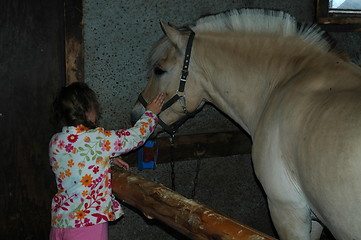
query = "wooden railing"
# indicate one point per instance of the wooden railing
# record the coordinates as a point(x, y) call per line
point(185, 215)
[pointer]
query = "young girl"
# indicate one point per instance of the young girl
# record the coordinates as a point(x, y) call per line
point(80, 158)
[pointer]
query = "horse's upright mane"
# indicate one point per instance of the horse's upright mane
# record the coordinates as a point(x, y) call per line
point(251, 21)
point(261, 21)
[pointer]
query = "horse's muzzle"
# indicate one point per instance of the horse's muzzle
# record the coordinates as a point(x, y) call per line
point(136, 113)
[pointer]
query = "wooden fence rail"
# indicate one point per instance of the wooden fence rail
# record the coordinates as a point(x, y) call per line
point(185, 215)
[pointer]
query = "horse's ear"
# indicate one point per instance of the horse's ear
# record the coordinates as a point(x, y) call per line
point(174, 35)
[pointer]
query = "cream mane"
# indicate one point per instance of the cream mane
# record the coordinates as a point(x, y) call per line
point(261, 21)
point(251, 21)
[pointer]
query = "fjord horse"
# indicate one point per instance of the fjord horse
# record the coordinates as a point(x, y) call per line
point(299, 101)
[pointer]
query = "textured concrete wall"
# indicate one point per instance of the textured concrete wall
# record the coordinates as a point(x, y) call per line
point(119, 35)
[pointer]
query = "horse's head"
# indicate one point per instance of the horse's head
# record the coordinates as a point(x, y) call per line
point(174, 72)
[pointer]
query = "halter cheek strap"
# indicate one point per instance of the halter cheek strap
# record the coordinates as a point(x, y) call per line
point(187, 58)
point(171, 129)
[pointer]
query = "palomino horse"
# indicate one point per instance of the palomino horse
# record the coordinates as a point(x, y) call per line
point(299, 101)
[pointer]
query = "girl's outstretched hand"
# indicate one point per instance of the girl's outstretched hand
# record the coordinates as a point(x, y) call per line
point(157, 103)
point(120, 163)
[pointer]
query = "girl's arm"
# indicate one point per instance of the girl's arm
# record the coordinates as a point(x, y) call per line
point(125, 140)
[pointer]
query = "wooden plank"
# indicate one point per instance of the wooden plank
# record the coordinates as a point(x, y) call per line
point(340, 20)
point(341, 27)
point(187, 147)
point(74, 47)
point(32, 49)
point(185, 215)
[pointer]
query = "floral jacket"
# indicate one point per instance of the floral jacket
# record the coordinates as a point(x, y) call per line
point(79, 158)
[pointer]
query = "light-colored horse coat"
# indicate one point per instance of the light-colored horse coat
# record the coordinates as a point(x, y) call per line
point(299, 101)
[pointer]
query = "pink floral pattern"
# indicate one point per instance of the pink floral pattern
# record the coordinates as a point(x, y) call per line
point(79, 158)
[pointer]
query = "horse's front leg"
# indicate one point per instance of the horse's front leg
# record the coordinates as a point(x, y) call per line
point(293, 222)
point(290, 212)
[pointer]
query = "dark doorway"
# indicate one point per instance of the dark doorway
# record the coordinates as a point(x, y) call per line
point(32, 69)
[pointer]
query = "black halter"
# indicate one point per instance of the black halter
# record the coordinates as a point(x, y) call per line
point(171, 129)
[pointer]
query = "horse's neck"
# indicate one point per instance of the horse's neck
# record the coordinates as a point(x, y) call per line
point(242, 78)
point(242, 104)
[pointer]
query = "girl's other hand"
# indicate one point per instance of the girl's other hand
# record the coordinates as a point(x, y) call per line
point(120, 163)
point(157, 103)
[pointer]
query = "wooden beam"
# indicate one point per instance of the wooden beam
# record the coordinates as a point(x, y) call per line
point(341, 27)
point(74, 47)
point(185, 215)
point(186, 147)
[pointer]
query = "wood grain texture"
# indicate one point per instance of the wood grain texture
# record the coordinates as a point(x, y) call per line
point(32, 51)
point(74, 43)
point(185, 215)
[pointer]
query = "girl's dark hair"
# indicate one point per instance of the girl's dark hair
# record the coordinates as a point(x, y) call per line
point(72, 103)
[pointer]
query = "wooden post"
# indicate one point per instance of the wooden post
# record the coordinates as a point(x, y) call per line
point(74, 47)
point(183, 214)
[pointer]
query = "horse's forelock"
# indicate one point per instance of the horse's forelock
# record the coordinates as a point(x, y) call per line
point(159, 50)
point(163, 45)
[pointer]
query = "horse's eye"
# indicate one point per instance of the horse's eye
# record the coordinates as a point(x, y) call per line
point(158, 71)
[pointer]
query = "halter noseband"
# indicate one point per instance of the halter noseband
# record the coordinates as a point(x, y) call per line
point(171, 129)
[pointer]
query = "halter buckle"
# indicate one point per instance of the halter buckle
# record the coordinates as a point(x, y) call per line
point(182, 101)
point(184, 74)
